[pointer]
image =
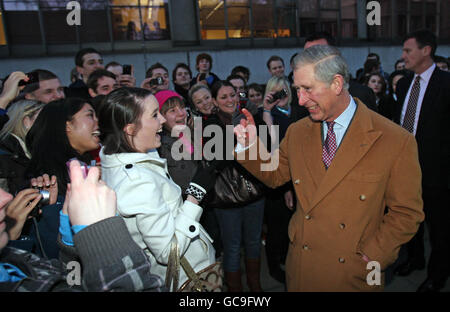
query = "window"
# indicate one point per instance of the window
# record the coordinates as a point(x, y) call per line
point(2, 30)
point(22, 20)
point(212, 19)
point(137, 20)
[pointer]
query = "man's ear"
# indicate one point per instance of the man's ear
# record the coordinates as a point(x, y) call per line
point(338, 84)
point(426, 50)
point(129, 129)
point(92, 93)
point(80, 70)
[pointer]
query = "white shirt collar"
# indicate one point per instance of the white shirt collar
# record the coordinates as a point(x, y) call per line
point(426, 75)
point(345, 118)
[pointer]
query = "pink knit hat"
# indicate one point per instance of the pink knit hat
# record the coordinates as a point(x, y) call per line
point(163, 96)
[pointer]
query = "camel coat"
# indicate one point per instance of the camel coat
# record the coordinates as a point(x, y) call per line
point(340, 213)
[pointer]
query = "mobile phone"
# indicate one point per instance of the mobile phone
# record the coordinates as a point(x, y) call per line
point(33, 78)
point(83, 165)
point(279, 95)
point(202, 76)
point(127, 69)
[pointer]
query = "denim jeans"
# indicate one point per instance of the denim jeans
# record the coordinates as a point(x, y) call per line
point(237, 225)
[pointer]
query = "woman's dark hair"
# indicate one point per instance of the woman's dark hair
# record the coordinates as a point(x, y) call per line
point(48, 143)
point(256, 87)
point(218, 85)
point(121, 107)
point(403, 72)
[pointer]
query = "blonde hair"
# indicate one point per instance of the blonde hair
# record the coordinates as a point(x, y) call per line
point(17, 113)
point(279, 81)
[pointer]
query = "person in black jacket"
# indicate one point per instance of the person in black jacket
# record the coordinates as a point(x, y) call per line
point(279, 202)
point(110, 259)
point(423, 109)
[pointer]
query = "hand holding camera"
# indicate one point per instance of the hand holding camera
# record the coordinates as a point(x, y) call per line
point(273, 98)
point(19, 210)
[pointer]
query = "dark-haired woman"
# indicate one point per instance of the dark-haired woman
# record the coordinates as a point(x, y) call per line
point(64, 129)
point(148, 199)
point(376, 82)
point(237, 222)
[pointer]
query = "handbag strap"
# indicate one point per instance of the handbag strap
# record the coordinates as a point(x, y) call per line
point(173, 268)
point(173, 265)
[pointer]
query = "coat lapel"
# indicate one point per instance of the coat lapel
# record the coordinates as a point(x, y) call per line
point(312, 153)
point(357, 142)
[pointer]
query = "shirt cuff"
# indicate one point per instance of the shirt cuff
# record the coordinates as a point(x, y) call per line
point(64, 229)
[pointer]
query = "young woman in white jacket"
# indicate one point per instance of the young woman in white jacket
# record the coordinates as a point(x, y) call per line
point(147, 198)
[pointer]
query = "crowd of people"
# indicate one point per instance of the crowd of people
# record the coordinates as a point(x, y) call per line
point(350, 187)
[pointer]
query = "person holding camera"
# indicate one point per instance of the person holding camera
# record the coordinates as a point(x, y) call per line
point(64, 129)
point(91, 207)
point(156, 78)
point(203, 64)
point(279, 202)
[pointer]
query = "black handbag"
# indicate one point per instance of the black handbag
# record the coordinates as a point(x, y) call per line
point(234, 187)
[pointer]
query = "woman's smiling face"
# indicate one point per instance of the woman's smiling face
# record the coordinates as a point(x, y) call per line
point(226, 100)
point(144, 135)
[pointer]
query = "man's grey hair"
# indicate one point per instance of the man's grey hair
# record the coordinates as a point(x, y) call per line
point(327, 61)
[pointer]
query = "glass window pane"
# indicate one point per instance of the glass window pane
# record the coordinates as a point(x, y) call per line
point(212, 19)
point(308, 17)
point(263, 24)
point(155, 22)
point(55, 26)
point(349, 19)
point(126, 24)
point(22, 20)
point(286, 18)
point(329, 4)
point(2, 30)
point(238, 22)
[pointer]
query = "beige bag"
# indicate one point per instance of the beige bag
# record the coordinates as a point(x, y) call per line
point(210, 279)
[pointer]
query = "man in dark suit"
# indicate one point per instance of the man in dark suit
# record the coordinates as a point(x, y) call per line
point(423, 109)
point(362, 92)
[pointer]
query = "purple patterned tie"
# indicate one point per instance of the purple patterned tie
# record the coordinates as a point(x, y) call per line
point(330, 146)
point(410, 115)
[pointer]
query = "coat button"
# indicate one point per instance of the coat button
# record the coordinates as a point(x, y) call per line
point(342, 226)
point(362, 197)
point(341, 260)
point(297, 181)
point(192, 228)
point(129, 166)
point(308, 217)
point(305, 247)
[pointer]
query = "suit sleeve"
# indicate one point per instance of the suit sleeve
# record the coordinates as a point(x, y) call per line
point(271, 169)
point(405, 207)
